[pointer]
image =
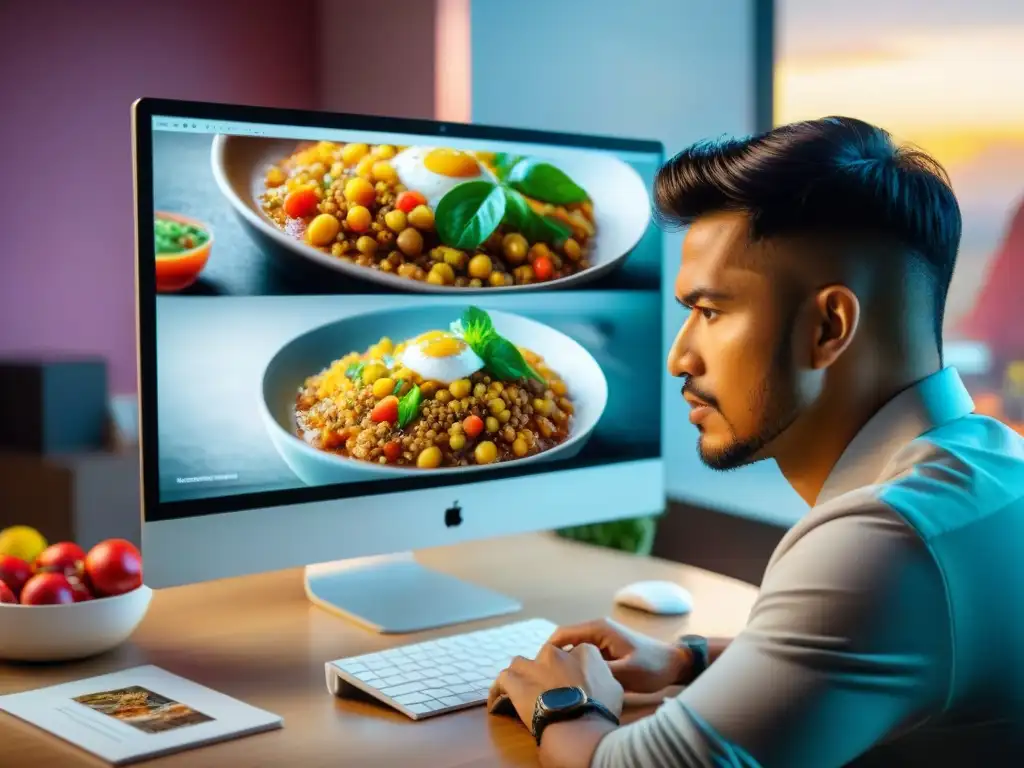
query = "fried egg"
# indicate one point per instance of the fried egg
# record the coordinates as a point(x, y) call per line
point(433, 172)
point(440, 356)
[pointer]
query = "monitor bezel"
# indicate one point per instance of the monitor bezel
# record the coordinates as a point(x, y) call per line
point(143, 110)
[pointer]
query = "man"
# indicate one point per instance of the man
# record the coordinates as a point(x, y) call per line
point(889, 625)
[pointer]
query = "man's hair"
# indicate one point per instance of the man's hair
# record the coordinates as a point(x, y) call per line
point(837, 177)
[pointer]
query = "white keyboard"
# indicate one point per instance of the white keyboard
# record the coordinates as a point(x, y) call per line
point(438, 676)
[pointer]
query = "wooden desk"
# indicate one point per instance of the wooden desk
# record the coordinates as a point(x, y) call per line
point(258, 639)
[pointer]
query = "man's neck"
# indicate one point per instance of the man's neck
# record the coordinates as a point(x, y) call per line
point(813, 445)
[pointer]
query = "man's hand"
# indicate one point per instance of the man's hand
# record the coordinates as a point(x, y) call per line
point(641, 664)
point(525, 680)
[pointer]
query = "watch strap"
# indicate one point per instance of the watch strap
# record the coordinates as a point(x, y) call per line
point(542, 718)
point(700, 655)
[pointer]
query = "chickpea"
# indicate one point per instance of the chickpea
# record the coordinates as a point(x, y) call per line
point(337, 249)
point(497, 279)
point(275, 177)
point(457, 442)
point(364, 168)
point(366, 245)
point(543, 407)
point(491, 424)
point(460, 388)
point(455, 258)
point(537, 251)
point(353, 153)
point(455, 406)
point(384, 172)
point(360, 192)
point(384, 151)
point(410, 242)
point(323, 229)
point(519, 447)
point(446, 272)
point(546, 428)
point(395, 220)
point(497, 387)
point(372, 372)
point(429, 458)
point(358, 218)
point(504, 416)
point(435, 278)
point(476, 282)
point(407, 270)
point(572, 250)
point(524, 274)
point(566, 405)
point(485, 452)
point(496, 406)
point(428, 388)
point(421, 217)
point(508, 434)
point(480, 267)
point(559, 388)
point(514, 247)
point(443, 396)
point(383, 387)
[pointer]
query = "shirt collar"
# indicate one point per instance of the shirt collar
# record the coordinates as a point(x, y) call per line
point(930, 403)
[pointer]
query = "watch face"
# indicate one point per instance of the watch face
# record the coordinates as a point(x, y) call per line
point(561, 698)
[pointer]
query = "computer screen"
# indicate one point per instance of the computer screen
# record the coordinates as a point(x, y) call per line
point(363, 306)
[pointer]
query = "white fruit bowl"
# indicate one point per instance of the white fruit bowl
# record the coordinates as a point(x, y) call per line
point(73, 631)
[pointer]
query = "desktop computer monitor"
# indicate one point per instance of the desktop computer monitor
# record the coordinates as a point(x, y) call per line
point(362, 336)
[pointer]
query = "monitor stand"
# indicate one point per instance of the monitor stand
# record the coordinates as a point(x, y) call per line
point(393, 594)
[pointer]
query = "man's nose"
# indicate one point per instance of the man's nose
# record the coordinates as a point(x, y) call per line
point(683, 359)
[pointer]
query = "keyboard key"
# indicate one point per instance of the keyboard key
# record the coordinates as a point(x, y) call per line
point(398, 690)
point(461, 688)
point(419, 709)
point(388, 671)
point(469, 698)
point(435, 693)
point(411, 698)
point(396, 680)
point(452, 701)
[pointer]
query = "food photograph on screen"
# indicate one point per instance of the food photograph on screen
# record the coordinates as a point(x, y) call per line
point(382, 310)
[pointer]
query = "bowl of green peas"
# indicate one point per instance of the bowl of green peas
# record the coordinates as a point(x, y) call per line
point(182, 246)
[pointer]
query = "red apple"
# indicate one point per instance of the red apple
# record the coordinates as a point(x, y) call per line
point(64, 557)
point(48, 589)
point(114, 567)
point(14, 572)
point(80, 586)
point(6, 595)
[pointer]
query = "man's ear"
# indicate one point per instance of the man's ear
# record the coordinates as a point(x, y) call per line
point(836, 314)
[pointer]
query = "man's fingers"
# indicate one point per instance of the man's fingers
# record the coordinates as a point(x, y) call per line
point(497, 690)
point(593, 632)
point(588, 652)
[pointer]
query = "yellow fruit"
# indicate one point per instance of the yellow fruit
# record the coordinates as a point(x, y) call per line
point(23, 542)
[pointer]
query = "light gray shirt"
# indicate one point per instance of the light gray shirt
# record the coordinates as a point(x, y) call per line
point(890, 621)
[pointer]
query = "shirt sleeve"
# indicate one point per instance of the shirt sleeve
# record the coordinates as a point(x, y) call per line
point(848, 642)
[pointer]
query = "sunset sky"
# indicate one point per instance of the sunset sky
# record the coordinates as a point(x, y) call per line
point(946, 75)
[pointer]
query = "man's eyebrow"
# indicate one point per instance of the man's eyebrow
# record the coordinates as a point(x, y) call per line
point(702, 294)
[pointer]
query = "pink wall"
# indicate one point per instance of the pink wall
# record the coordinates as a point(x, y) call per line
point(68, 74)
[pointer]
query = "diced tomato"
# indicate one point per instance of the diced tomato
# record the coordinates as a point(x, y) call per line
point(386, 410)
point(409, 200)
point(543, 268)
point(473, 425)
point(392, 450)
point(301, 202)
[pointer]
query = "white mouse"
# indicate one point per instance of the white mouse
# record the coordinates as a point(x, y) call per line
point(660, 597)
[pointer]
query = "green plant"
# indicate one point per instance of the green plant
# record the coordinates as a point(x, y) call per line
point(634, 535)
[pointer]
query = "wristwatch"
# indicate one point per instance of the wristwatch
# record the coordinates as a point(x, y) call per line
point(559, 704)
point(697, 645)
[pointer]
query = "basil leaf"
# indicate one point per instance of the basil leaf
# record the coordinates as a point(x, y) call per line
point(545, 182)
point(398, 386)
point(409, 406)
point(505, 162)
point(476, 327)
point(534, 227)
point(469, 213)
point(355, 371)
point(504, 360)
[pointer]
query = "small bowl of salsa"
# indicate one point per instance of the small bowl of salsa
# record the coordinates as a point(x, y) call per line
point(182, 247)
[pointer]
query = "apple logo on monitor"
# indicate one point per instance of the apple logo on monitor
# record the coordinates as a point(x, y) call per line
point(453, 515)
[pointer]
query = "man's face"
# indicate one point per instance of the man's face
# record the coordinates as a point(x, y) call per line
point(735, 350)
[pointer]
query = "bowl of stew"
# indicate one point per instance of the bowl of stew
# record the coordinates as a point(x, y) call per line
point(394, 393)
point(182, 247)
